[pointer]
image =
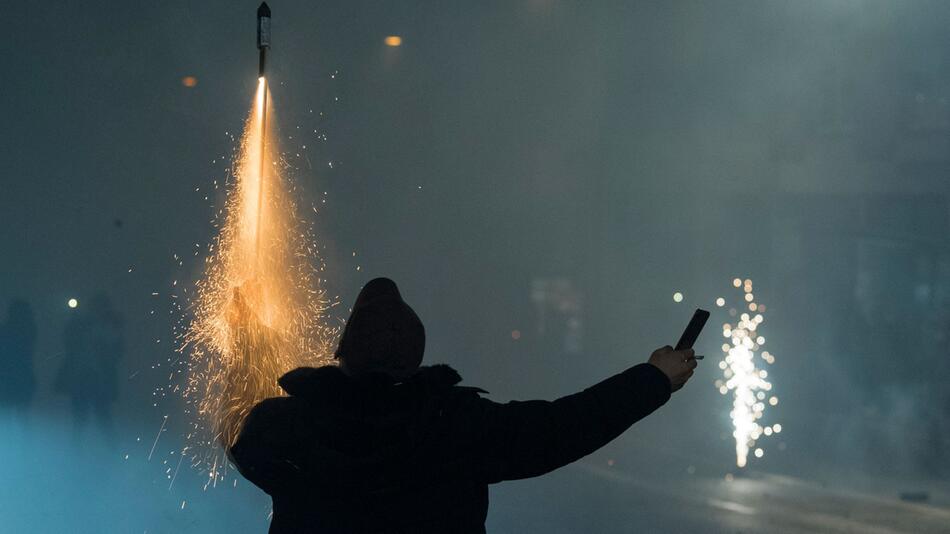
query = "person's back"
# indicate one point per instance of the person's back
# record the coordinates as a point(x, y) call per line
point(362, 448)
point(363, 454)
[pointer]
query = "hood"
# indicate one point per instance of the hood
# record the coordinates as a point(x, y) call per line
point(383, 333)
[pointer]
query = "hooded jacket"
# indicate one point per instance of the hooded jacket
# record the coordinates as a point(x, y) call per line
point(368, 454)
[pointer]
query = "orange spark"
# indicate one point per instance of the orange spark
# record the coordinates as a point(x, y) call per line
point(260, 309)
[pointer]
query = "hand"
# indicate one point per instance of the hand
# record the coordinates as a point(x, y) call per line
point(677, 365)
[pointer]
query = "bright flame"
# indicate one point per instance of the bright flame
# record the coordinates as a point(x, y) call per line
point(259, 98)
point(747, 382)
point(260, 308)
point(393, 40)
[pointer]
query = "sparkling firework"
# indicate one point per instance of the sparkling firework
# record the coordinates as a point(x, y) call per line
point(260, 308)
point(751, 391)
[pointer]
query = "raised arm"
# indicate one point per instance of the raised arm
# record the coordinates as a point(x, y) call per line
point(527, 439)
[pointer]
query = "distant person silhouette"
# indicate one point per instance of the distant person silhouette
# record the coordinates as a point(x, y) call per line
point(17, 344)
point(93, 343)
point(380, 444)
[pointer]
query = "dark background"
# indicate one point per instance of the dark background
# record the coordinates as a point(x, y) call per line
point(598, 156)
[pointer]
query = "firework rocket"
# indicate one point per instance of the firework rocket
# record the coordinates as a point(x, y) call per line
point(259, 309)
point(263, 34)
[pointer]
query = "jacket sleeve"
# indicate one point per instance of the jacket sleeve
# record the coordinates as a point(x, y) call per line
point(526, 439)
point(260, 451)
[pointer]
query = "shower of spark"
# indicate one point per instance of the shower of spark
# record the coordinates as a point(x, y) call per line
point(260, 308)
point(751, 391)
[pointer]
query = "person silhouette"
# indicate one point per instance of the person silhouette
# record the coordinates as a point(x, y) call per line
point(380, 443)
point(17, 343)
point(93, 343)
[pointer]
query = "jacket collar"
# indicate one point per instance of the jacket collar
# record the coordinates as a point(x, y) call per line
point(330, 381)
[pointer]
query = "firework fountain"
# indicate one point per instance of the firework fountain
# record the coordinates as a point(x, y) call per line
point(744, 375)
point(260, 308)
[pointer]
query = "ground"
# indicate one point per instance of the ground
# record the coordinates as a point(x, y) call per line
point(614, 500)
point(55, 482)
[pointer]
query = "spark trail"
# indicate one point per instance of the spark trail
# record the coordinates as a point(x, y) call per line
point(260, 308)
point(751, 391)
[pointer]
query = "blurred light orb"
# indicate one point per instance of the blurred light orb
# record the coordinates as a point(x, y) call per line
point(72, 303)
point(720, 302)
point(189, 81)
point(759, 453)
point(677, 297)
point(393, 40)
point(516, 334)
point(737, 282)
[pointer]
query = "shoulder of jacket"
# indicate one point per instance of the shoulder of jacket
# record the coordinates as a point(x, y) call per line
point(267, 410)
point(470, 389)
